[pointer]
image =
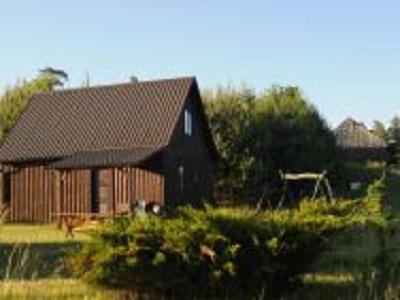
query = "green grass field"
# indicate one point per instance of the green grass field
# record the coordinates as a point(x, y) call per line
point(50, 289)
point(44, 234)
point(32, 265)
point(34, 251)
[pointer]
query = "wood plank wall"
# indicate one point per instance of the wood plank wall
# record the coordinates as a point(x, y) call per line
point(75, 192)
point(32, 194)
point(133, 184)
point(37, 193)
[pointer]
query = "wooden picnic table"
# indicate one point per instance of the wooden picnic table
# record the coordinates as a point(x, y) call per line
point(74, 220)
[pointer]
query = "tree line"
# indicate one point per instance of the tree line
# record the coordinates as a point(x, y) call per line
point(390, 132)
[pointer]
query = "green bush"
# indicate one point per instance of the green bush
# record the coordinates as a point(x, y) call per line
point(218, 251)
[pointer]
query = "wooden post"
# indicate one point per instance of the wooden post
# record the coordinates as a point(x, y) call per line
point(1, 185)
point(58, 186)
point(106, 198)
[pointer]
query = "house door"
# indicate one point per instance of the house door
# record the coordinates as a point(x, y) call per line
point(95, 195)
point(6, 189)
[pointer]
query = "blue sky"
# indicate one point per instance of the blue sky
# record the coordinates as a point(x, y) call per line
point(344, 54)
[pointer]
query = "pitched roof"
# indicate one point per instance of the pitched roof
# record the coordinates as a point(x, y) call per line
point(351, 134)
point(102, 158)
point(123, 116)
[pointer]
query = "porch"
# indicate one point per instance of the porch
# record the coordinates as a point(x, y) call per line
point(38, 194)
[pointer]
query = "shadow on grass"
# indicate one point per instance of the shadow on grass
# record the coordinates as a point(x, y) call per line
point(35, 260)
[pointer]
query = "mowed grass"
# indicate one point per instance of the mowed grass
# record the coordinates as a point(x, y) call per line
point(35, 251)
point(54, 289)
point(32, 264)
point(44, 234)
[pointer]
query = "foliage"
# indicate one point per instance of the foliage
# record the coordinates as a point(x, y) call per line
point(379, 130)
point(230, 113)
point(257, 135)
point(14, 101)
point(218, 252)
point(290, 135)
point(394, 129)
point(393, 136)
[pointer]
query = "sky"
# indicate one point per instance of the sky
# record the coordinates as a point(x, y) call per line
point(344, 54)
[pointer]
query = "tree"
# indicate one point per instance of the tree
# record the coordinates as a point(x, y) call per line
point(379, 130)
point(289, 135)
point(15, 99)
point(394, 129)
point(230, 113)
point(258, 135)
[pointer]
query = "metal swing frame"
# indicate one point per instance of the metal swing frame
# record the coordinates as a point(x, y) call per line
point(320, 178)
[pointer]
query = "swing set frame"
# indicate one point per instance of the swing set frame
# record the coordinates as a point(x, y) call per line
point(319, 178)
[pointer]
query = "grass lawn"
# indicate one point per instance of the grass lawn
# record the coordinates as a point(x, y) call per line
point(44, 234)
point(55, 289)
point(372, 257)
point(32, 264)
point(51, 289)
point(34, 251)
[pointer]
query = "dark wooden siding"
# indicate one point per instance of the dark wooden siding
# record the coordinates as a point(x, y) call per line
point(38, 194)
point(118, 189)
point(75, 192)
point(32, 194)
point(193, 153)
point(132, 184)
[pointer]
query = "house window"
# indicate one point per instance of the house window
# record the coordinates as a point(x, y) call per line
point(188, 123)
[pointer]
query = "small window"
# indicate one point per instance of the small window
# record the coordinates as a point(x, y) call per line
point(188, 123)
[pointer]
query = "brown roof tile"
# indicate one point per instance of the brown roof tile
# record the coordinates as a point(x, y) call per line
point(123, 116)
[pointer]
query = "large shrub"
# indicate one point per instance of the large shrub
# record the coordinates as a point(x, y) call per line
point(233, 252)
point(231, 116)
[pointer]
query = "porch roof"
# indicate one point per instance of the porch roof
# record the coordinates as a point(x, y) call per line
point(106, 158)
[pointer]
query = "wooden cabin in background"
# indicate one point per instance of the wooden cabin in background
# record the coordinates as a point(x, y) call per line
point(101, 149)
point(358, 143)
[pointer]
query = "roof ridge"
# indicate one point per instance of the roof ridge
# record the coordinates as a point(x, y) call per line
point(113, 85)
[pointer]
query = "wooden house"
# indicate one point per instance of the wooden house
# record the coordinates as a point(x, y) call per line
point(102, 149)
point(358, 143)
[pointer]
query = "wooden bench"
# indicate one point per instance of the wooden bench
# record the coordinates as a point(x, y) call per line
point(4, 211)
point(76, 221)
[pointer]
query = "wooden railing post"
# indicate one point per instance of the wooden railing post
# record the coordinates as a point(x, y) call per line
point(57, 195)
